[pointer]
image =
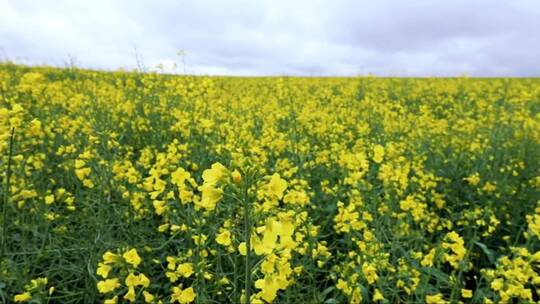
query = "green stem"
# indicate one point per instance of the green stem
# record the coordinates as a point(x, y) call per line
point(247, 236)
point(6, 197)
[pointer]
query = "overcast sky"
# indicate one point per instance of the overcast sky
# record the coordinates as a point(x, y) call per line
point(274, 37)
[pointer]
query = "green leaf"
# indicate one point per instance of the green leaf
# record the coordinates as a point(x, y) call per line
point(327, 291)
point(489, 253)
point(437, 274)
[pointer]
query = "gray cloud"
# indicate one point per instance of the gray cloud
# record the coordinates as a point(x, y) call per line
point(245, 37)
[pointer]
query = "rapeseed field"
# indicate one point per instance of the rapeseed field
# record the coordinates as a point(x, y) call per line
point(124, 187)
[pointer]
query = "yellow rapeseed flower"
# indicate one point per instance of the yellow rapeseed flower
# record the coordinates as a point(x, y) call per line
point(183, 296)
point(276, 186)
point(132, 257)
point(108, 285)
point(224, 238)
point(23, 297)
point(378, 154)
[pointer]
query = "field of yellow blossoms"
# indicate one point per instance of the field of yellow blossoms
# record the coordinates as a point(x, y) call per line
point(141, 187)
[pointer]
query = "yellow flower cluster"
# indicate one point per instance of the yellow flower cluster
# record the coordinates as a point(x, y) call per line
point(124, 267)
point(34, 291)
point(455, 247)
point(516, 277)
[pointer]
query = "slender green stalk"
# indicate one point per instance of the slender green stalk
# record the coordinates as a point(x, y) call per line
point(6, 196)
point(247, 236)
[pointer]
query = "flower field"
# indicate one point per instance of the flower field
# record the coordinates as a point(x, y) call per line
point(142, 187)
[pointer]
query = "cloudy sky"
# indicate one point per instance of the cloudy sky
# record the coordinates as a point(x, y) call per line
point(275, 37)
